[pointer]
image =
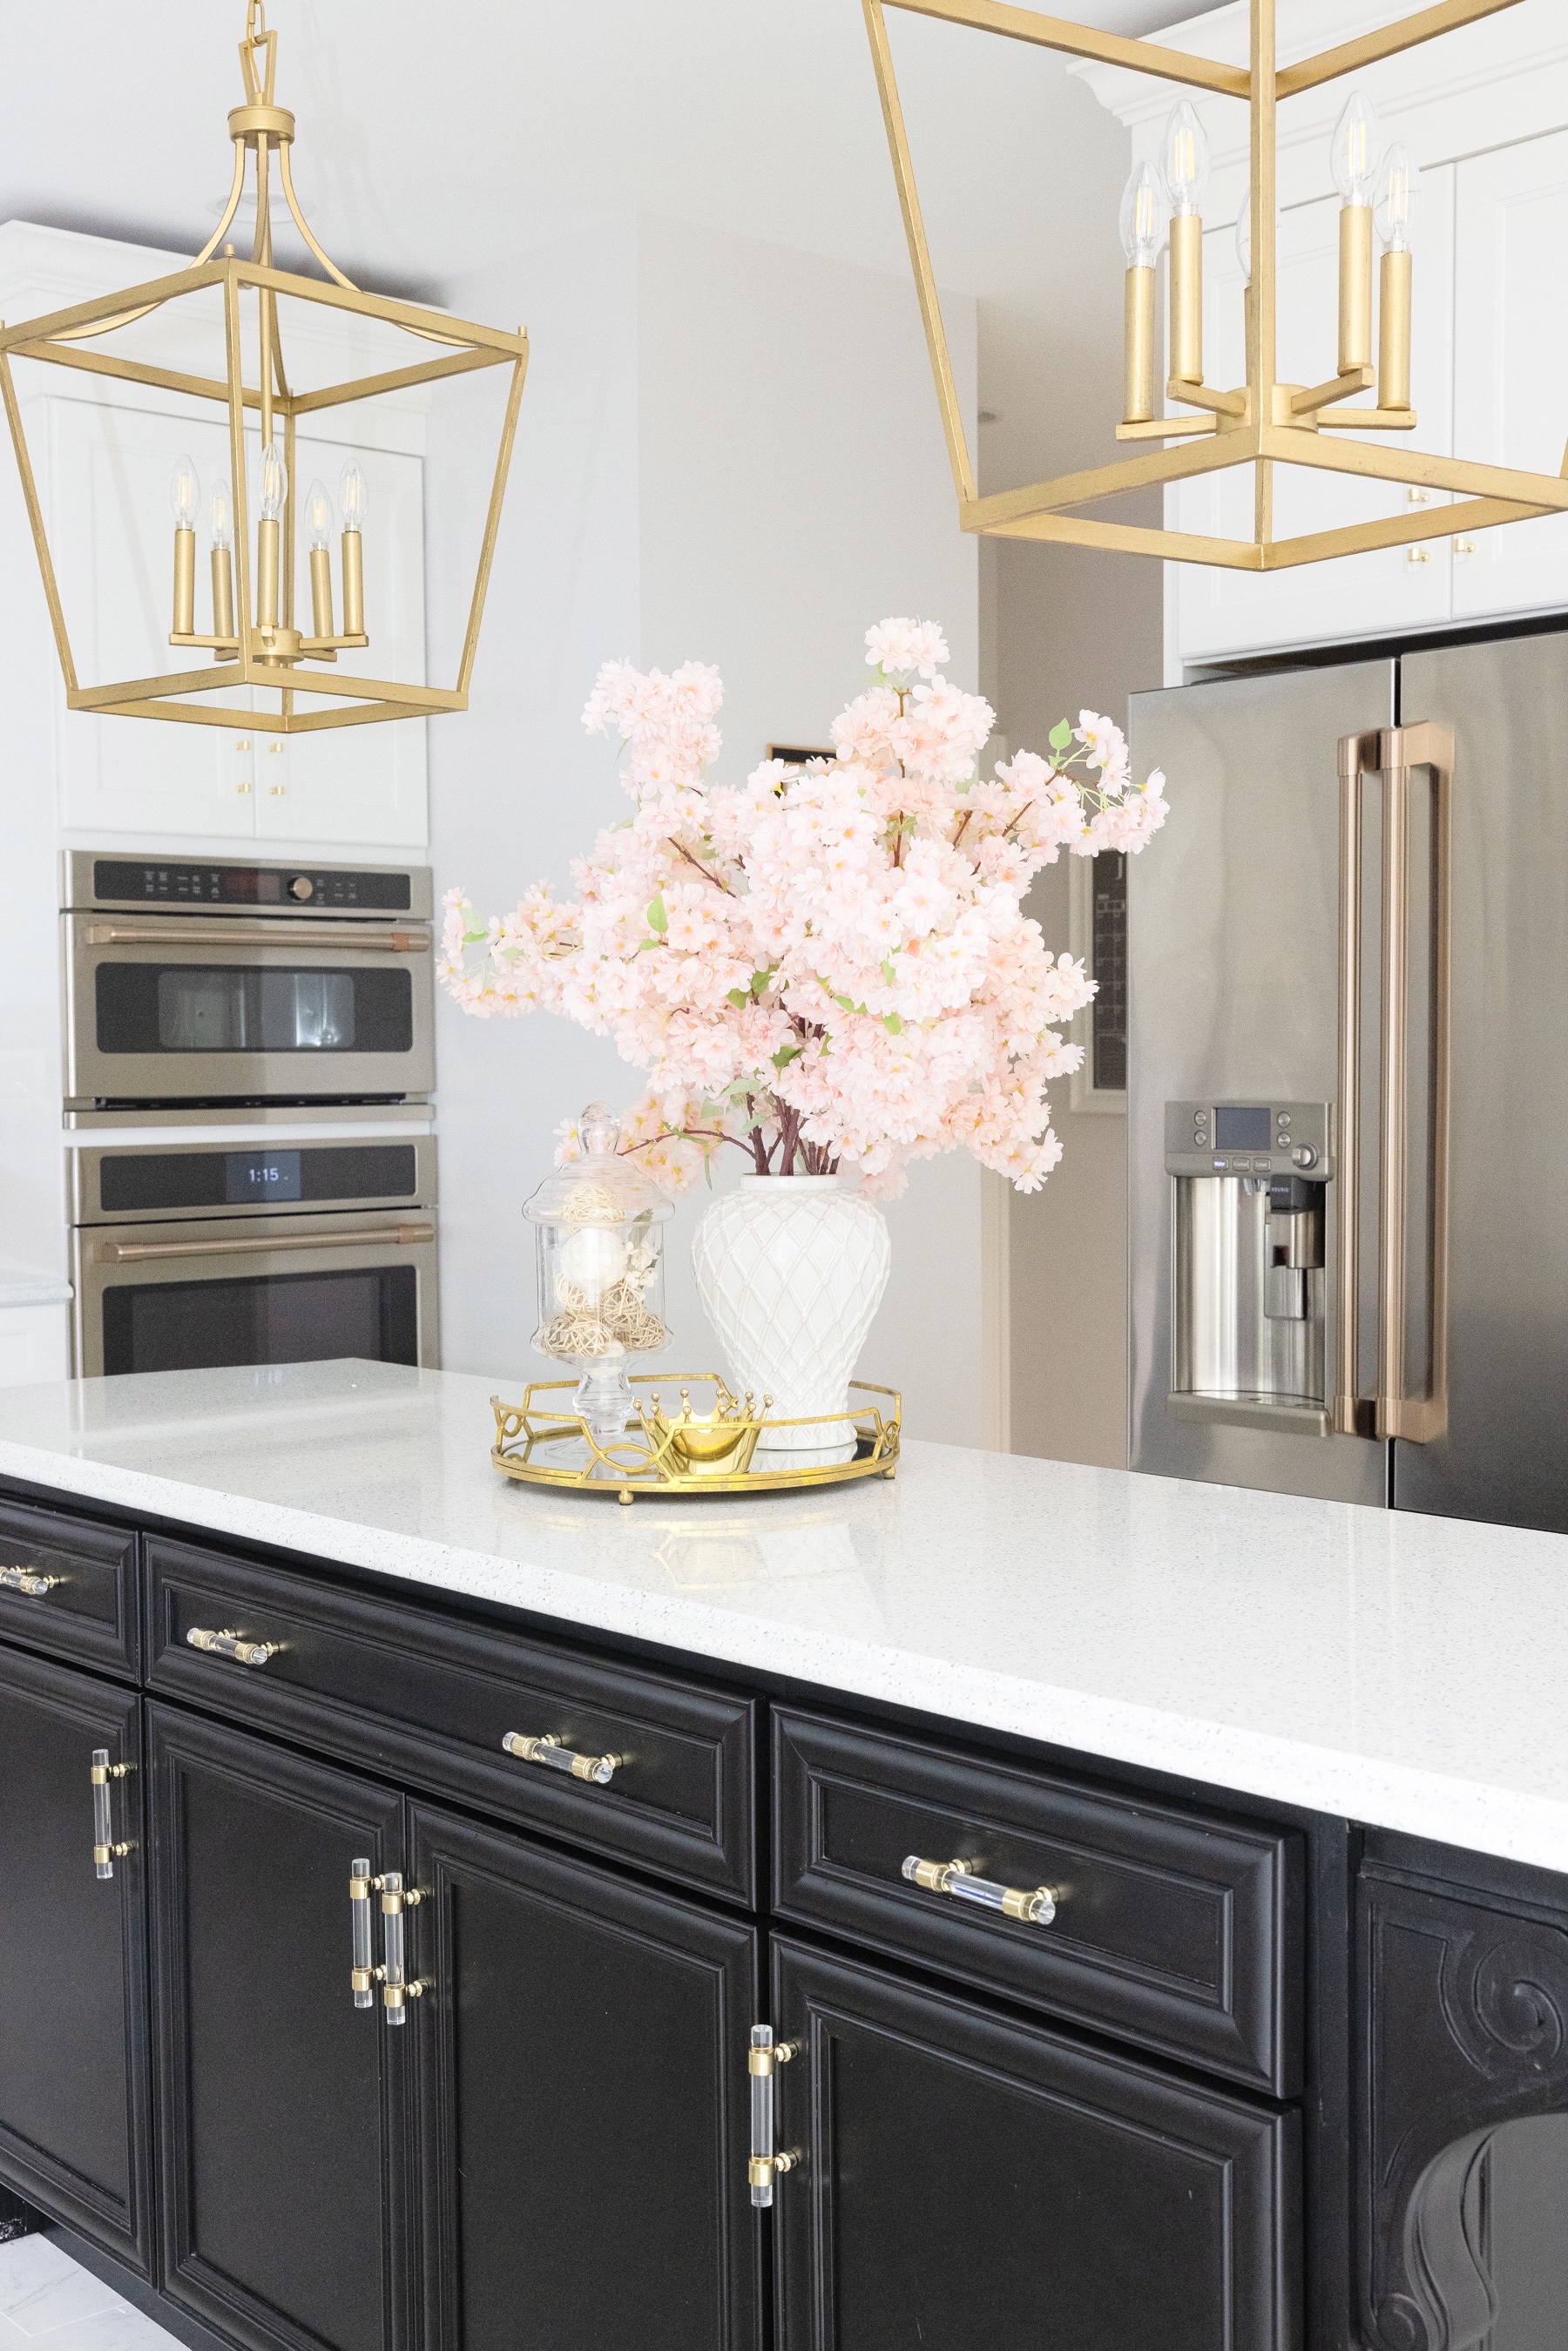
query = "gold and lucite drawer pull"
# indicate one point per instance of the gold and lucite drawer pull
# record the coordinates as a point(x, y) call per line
point(105, 1852)
point(766, 2165)
point(599, 1769)
point(230, 1643)
point(28, 1579)
point(392, 1975)
point(361, 1971)
point(1035, 1905)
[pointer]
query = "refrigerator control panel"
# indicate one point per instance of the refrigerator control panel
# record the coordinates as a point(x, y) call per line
point(1248, 1138)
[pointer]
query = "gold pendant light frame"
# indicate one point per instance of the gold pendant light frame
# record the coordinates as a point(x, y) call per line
point(1261, 423)
point(259, 654)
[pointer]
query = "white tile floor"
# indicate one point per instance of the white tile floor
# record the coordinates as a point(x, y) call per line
point(49, 2303)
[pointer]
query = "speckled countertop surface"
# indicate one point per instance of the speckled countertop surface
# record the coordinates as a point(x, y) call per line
point(1403, 1671)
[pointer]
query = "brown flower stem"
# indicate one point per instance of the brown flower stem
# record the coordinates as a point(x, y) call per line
point(708, 875)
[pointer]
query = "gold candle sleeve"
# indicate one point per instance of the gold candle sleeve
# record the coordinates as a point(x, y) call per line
point(353, 584)
point(266, 573)
point(1354, 286)
point(222, 592)
point(321, 591)
point(184, 584)
point(1394, 332)
point(1140, 347)
point(1187, 298)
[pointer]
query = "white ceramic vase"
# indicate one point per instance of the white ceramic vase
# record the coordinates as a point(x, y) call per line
point(791, 1269)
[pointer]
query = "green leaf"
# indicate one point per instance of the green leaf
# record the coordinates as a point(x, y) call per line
point(739, 997)
point(762, 980)
point(893, 1024)
point(1060, 736)
point(887, 971)
point(657, 918)
point(785, 1055)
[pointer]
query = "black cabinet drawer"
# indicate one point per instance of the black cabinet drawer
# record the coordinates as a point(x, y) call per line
point(963, 2180)
point(1171, 1929)
point(69, 1586)
point(430, 1701)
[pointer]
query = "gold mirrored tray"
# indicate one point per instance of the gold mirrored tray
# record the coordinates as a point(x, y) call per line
point(718, 1444)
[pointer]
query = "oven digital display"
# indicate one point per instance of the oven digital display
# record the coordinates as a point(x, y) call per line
point(261, 1176)
point(1242, 1130)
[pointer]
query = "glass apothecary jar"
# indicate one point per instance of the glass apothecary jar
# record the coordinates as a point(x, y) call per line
point(599, 1223)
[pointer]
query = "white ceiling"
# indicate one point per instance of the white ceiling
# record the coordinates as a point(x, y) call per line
point(434, 140)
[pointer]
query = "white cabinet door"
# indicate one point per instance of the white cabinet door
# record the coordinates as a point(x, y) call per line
point(1390, 590)
point(1510, 367)
point(362, 786)
point(107, 469)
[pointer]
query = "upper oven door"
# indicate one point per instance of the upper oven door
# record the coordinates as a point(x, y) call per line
point(173, 1008)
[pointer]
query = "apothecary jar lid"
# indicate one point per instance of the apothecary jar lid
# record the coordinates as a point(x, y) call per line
point(601, 1187)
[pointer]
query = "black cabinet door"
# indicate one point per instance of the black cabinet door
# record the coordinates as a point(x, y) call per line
point(966, 2178)
point(584, 2117)
point(74, 2089)
point(285, 2115)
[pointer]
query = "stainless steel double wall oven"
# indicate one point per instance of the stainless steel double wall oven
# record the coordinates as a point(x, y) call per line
point(249, 1057)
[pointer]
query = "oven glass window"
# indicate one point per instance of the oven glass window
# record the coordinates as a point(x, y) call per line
point(291, 1318)
point(220, 1008)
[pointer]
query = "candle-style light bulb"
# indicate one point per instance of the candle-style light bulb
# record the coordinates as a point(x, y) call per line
point(319, 527)
point(220, 520)
point(1145, 218)
point(1185, 156)
point(1356, 151)
point(268, 564)
point(1399, 189)
point(354, 501)
point(185, 500)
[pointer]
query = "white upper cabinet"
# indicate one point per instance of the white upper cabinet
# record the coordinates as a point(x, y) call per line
point(1510, 363)
point(1223, 612)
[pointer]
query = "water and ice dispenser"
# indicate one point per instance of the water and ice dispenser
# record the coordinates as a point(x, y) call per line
point(1250, 1320)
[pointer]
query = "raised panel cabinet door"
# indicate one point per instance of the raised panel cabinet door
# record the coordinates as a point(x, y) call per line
point(74, 2099)
point(1375, 594)
point(1510, 363)
point(285, 2115)
point(965, 2179)
point(584, 2105)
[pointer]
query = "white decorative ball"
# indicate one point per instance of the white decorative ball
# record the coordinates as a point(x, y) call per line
point(593, 1261)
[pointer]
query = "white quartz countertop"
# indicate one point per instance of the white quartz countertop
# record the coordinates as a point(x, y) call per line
point(1405, 1672)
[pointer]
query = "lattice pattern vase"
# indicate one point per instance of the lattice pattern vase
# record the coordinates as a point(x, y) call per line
point(791, 1269)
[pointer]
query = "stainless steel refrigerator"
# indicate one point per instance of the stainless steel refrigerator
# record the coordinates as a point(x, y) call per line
point(1348, 1083)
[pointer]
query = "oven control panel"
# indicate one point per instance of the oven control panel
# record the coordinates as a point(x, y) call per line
point(1248, 1138)
point(252, 885)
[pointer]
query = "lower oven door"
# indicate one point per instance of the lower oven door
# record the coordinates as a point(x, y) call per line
point(255, 1290)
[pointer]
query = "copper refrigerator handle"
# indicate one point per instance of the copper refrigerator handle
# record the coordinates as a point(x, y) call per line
point(1393, 753)
point(404, 1236)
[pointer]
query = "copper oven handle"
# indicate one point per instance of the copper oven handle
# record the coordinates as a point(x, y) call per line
point(174, 933)
point(256, 1244)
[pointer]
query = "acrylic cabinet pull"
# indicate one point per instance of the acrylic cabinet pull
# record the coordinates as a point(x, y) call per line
point(230, 1643)
point(765, 2165)
point(392, 1973)
point(30, 1580)
point(105, 1850)
point(600, 1770)
point(362, 1969)
point(1034, 1904)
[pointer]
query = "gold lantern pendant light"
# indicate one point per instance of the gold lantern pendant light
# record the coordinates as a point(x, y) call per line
point(254, 640)
point(1263, 422)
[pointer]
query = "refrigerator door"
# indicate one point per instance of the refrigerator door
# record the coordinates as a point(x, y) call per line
point(1504, 1456)
point(1233, 969)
